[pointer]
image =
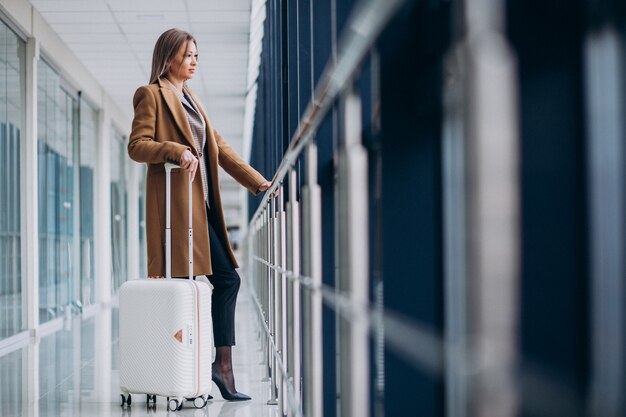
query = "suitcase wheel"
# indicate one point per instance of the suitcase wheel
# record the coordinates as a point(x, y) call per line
point(126, 400)
point(199, 402)
point(150, 397)
point(173, 404)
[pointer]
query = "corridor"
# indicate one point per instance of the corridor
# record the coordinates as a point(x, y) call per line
point(426, 201)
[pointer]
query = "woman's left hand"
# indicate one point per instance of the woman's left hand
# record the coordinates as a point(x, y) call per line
point(265, 186)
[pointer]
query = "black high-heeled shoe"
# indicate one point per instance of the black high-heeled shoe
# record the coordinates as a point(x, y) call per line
point(237, 396)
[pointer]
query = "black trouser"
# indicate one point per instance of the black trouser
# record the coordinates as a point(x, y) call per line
point(226, 282)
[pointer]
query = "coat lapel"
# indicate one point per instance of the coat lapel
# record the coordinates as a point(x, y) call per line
point(209, 129)
point(202, 112)
point(177, 110)
point(212, 151)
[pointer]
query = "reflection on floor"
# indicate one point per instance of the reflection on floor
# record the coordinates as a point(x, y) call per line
point(77, 371)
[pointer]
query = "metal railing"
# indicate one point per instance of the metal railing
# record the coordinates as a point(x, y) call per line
point(281, 234)
point(284, 244)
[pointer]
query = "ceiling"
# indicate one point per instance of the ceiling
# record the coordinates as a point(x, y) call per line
point(114, 39)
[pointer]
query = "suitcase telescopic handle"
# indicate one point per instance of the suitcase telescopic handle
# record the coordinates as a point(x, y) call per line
point(168, 227)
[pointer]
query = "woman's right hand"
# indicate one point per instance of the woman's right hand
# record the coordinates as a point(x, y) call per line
point(189, 163)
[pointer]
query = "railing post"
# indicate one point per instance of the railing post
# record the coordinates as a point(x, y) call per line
point(259, 270)
point(312, 267)
point(353, 246)
point(293, 289)
point(277, 301)
point(454, 238)
point(251, 242)
point(282, 343)
point(266, 291)
point(604, 67)
point(493, 214)
point(272, 299)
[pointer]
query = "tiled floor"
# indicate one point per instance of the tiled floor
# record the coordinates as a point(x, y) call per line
point(77, 374)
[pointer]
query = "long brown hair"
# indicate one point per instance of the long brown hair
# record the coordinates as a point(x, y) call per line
point(165, 50)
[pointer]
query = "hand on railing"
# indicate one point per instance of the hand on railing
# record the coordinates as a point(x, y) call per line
point(266, 185)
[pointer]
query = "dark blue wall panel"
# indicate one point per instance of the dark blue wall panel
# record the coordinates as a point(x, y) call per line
point(555, 288)
point(411, 51)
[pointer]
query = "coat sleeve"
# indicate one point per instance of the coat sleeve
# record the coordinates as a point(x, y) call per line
point(237, 167)
point(142, 144)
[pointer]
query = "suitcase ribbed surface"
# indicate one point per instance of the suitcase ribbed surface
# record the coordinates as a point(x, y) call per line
point(161, 349)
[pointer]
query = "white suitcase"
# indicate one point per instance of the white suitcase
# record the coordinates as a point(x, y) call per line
point(166, 332)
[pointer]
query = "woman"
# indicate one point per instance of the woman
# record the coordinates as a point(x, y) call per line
point(171, 125)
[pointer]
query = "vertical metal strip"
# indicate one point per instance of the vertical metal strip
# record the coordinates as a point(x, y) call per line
point(29, 202)
point(283, 298)
point(297, 306)
point(307, 334)
point(293, 294)
point(316, 301)
point(168, 229)
point(312, 201)
point(605, 66)
point(354, 251)
point(190, 230)
point(76, 253)
point(493, 216)
point(289, 324)
point(272, 301)
point(266, 287)
point(277, 305)
point(454, 238)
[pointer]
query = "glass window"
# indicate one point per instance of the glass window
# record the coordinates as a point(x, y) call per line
point(118, 208)
point(88, 140)
point(12, 375)
point(57, 131)
point(11, 114)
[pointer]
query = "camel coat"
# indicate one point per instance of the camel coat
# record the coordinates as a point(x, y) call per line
point(161, 133)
